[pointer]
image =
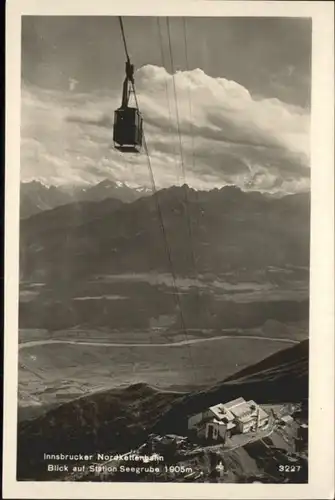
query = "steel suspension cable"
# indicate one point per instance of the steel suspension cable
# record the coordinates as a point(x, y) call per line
point(189, 94)
point(160, 215)
point(176, 100)
point(165, 81)
point(188, 218)
point(124, 38)
point(191, 128)
point(191, 119)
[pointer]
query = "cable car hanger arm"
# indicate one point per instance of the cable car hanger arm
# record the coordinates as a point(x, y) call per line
point(129, 79)
point(127, 84)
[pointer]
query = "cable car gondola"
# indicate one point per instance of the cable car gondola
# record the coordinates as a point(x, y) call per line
point(128, 122)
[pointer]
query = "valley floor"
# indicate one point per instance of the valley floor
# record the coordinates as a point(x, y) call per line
point(55, 367)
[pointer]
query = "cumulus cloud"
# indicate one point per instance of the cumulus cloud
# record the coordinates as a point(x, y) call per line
point(210, 129)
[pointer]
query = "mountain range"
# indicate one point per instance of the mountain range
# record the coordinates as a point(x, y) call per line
point(36, 197)
point(177, 229)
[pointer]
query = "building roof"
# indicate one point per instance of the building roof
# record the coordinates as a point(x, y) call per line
point(220, 412)
point(226, 413)
point(244, 411)
point(234, 402)
point(262, 412)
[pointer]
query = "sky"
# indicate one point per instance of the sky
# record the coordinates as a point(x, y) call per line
point(228, 104)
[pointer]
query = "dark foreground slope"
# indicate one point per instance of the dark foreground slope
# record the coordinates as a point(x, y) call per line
point(282, 377)
point(119, 420)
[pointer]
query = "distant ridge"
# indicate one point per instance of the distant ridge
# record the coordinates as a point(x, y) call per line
point(36, 197)
point(231, 230)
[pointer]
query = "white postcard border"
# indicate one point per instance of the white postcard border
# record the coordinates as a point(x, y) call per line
point(321, 453)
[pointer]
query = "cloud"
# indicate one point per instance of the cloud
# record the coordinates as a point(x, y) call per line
point(202, 130)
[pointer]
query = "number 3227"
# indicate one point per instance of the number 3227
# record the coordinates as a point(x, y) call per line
point(289, 468)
